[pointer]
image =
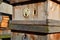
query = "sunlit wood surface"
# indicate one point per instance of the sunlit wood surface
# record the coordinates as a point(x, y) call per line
point(5, 20)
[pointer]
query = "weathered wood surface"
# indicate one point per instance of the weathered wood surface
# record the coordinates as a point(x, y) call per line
point(31, 28)
point(39, 16)
point(45, 11)
point(53, 13)
point(19, 36)
point(36, 28)
point(6, 8)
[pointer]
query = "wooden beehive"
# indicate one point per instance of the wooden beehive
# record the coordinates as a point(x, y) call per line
point(33, 18)
point(39, 15)
point(39, 19)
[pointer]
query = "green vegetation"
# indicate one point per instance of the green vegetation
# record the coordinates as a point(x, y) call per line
point(5, 36)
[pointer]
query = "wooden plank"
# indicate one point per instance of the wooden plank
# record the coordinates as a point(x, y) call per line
point(39, 16)
point(29, 22)
point(31, 28)
point(35, 28)
point(6, 8)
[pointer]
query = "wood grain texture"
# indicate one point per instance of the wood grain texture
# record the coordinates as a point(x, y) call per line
point(6, 8)
point(39, 16)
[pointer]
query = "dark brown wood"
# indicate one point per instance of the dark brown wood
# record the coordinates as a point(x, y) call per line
point(27, 2)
